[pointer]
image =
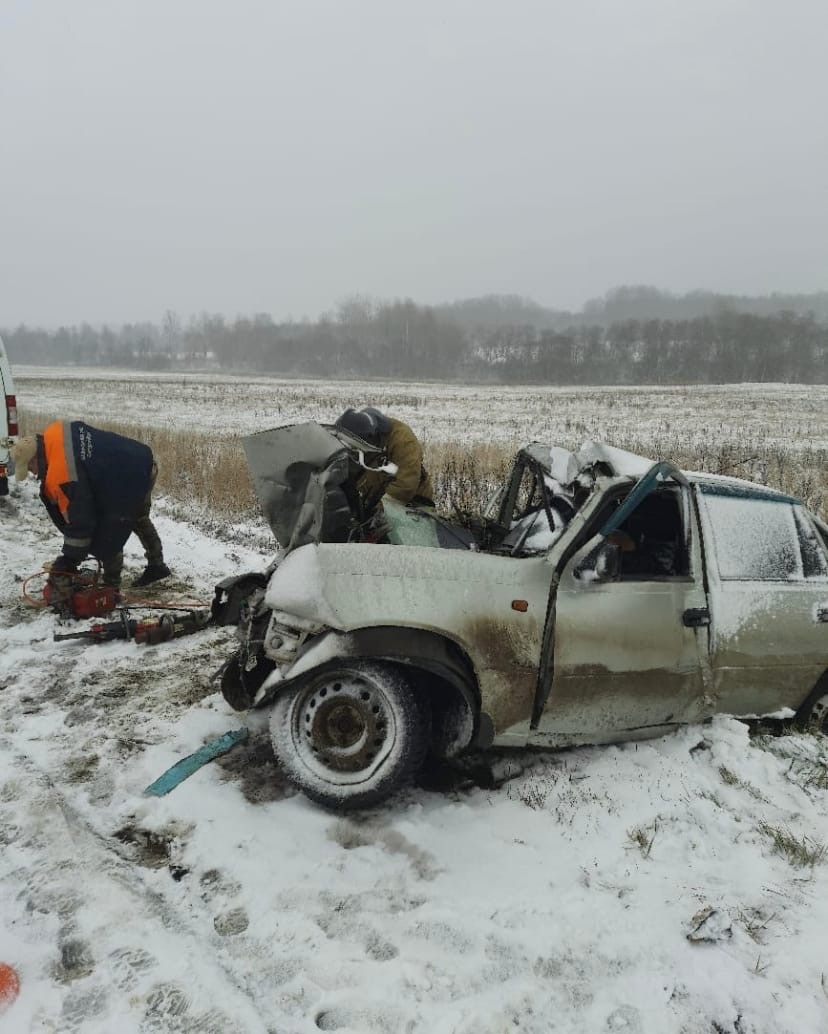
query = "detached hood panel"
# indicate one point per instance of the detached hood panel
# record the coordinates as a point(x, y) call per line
point(298, 472)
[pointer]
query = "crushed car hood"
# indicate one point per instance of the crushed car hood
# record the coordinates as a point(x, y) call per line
point(301, 474)
point(298, 472)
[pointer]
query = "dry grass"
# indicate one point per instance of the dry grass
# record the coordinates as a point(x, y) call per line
point(534, 793)
point(731, 779)
point(195, 470)
point(643, 837)
point(208, 473)
point(802, 852)
point(465, 477)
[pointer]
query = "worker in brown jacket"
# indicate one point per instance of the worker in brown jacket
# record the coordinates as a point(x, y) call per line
point(410, 484)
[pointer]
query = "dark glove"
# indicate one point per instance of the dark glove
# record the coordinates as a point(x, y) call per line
point(63, 565)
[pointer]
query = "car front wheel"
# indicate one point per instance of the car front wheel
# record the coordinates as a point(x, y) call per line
point(352, 736)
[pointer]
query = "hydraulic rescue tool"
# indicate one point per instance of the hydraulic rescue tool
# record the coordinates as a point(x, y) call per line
point(159, 630)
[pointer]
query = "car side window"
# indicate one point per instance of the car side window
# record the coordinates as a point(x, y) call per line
point(653, 540)
point(760, 539)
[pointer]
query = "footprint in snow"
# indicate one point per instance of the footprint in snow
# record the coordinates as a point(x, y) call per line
point(228, 924)
point(76, 961)
point(625, 1019)
point(376, 947)
point(81, 768)
point(340, 925)
point(168, 1011)
point(151, 849)
point(81, 1005)
point(366, 1020)
point(128, 964)
point(215, 883)
point(166, 1005)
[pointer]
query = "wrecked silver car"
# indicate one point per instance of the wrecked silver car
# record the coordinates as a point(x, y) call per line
point(602, 597)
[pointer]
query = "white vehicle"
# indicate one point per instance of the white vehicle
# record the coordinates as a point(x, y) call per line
point(601, 597)
point(8, 420)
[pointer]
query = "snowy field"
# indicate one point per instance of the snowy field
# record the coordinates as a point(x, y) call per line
point(642, 889)
point(665, 418)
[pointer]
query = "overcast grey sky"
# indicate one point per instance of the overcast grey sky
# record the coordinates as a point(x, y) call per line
point(264, 155)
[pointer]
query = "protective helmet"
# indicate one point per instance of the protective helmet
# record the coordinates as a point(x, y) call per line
point(360, 423)
point(382, 421)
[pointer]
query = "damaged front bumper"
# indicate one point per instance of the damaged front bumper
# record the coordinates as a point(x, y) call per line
point(265, 655)
point(286, 635)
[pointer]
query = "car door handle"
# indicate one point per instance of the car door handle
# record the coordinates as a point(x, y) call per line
point(696, 617)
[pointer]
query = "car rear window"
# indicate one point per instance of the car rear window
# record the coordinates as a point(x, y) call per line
point(763, 539)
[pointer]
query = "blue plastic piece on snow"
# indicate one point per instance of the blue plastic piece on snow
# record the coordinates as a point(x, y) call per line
point(184, 768)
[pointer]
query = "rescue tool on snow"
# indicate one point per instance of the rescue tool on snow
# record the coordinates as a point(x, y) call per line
point(84, 601)
point(74, 594)
point(81, 596)
point(158, 630)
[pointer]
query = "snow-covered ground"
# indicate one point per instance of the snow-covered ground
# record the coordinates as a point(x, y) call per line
point(560, 899)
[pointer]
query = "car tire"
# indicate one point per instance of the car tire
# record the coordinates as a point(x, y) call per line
point(813, 714)
point(819, 713)
point(351, 736)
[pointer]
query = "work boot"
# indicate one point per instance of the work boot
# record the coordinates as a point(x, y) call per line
point(153, 573)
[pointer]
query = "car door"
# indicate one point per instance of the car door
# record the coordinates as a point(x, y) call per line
point(626, 652)
point(768, 598)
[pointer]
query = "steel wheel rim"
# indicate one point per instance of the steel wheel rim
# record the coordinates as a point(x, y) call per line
point(344, 727)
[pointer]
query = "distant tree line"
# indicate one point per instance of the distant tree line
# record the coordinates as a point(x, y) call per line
point(498, 339)
point(730, 347)
point(627, 303)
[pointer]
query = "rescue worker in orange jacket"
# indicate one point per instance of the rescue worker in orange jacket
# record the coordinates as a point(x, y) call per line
point(411, 483)
point(97, 488)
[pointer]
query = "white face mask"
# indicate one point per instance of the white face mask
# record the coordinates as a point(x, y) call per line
point(387, 468)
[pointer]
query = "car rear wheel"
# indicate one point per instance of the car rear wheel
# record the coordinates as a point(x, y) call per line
point(819, 713)
point(350, 737)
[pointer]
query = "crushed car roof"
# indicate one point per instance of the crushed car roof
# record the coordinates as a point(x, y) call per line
point(565, 467)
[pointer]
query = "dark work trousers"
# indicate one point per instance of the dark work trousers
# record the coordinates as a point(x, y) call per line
point(148, 536)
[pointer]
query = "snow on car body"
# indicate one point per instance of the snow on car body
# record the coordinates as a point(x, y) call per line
point(648, 598)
